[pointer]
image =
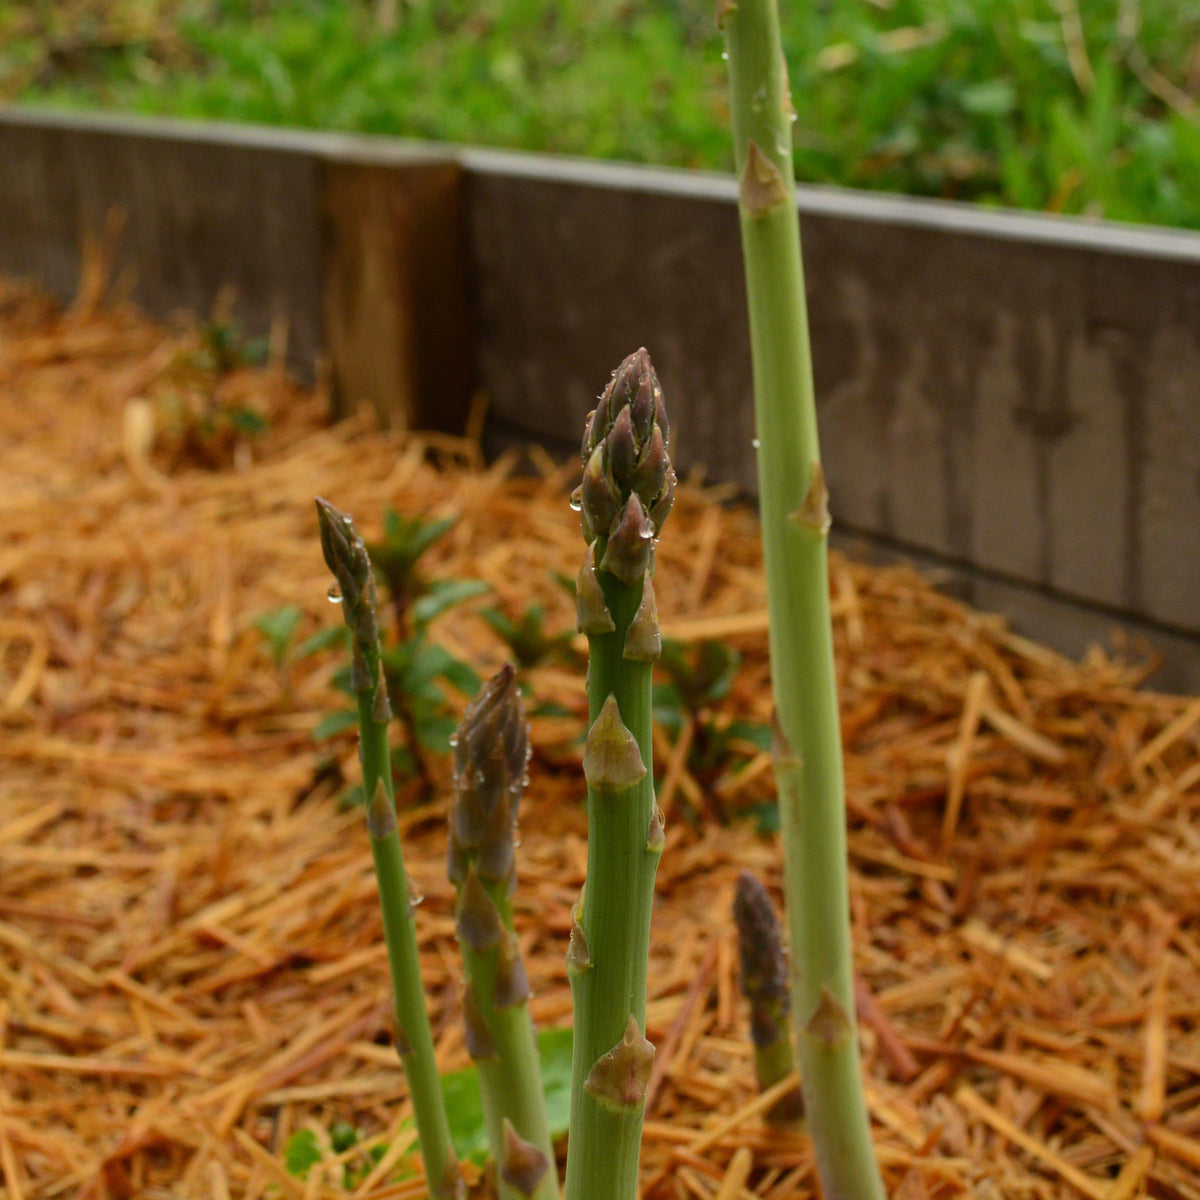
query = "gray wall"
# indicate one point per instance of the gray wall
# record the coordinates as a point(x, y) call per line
point(1014, 393)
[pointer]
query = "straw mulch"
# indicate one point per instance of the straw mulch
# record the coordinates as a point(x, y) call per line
point(190, 957)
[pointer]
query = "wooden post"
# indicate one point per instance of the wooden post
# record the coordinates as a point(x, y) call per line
point(395, 301)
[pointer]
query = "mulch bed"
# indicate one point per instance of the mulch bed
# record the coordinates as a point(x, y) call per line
point(191, 962)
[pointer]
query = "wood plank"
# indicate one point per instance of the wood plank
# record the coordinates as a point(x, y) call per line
point(395, 299)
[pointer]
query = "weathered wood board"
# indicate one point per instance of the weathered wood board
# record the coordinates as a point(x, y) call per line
point(1028, 406)
point(198, 217)
point(396, 308)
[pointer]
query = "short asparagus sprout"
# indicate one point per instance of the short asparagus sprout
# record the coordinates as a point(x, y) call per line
point(491, 756)
point(627, 491)
point(346, 556)
point(765, 986)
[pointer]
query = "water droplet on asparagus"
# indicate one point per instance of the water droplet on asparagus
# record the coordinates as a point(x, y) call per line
point(334, 595)
point(577, 499)
point(755, 443)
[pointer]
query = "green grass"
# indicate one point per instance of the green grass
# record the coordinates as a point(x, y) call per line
point(1070, 105)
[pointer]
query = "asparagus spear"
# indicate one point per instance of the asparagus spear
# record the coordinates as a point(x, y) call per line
point(795, 523)
point(628, 489)
point(491, 753)
point(765, 986)
point(346, 556)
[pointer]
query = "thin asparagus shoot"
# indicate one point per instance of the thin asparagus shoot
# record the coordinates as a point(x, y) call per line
point(491, 755)
point(346, 556)
point(795, 523)
point(627, 491)
point(765, 986)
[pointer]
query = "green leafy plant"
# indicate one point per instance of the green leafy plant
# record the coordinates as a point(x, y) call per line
point(527, 638)
point(464, 1098)
point(278, 628)
point(698, 679)
point(795, 524)
point(225, 348)
point(305, 1149)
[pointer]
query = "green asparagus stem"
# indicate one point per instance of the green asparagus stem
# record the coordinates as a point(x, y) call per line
point(491, 754)
point(628, 489)
point(795, 521)
point(765, 986)
point(346, 555)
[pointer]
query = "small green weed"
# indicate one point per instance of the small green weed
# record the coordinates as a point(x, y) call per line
point(699, 677)
point(464, 1108)
point(527, 638)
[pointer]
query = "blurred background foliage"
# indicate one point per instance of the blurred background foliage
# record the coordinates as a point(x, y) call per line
point(1081, 106)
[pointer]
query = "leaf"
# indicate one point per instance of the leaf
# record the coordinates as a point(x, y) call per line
point(750, 731)
point(461, 676)
point(354, 797)
point(464, 1106)
point(343, 1135)
point(501, 624)
point(434, 732)
point(422, 534)
point(554, 1049)
point(766, 817)
point(990, 98)
point(333, 724)
point(301, 1153)
point(331, 635)
point(444, 594)
point(277, 627)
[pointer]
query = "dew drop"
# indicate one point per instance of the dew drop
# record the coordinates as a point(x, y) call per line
point(415, 895)
point(577, 499)
point(334, 595)
point(724, 55)
point(756, 443)
point(453, 740)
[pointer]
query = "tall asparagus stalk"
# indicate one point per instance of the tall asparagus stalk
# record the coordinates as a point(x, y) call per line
point(628, 489)
point(491, 753)
point(795, 522)
point(346, 556)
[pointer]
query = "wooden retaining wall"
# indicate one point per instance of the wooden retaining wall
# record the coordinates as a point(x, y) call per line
point(1013, 397)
